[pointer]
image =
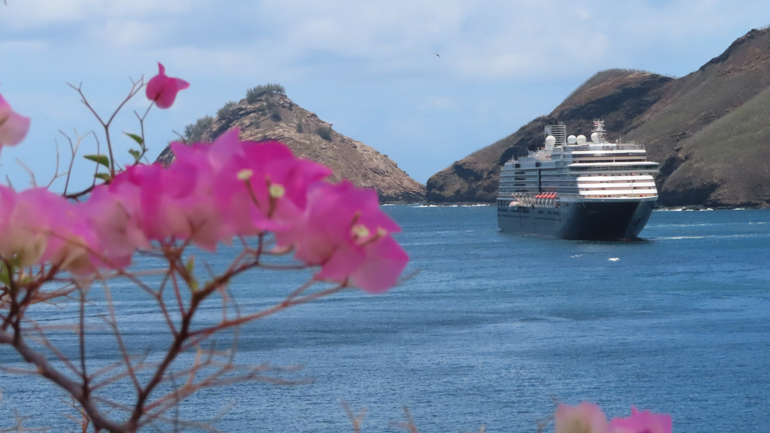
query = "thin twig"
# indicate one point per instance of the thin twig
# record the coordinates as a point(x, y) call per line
point(31, 173)
point(48, 371)
point(135, 87)
point(113, 323)
point(356, 420)
point(409, 424)
point(264, 313)
point(143, 144)
point(56, 171)
point(82, 341)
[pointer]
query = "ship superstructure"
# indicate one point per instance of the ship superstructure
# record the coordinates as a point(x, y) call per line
point(575, 189)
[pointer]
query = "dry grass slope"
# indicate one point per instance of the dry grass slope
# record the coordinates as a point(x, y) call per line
point(731, 155)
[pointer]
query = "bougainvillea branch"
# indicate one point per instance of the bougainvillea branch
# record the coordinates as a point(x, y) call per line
point(136, 86)
point(280, 208)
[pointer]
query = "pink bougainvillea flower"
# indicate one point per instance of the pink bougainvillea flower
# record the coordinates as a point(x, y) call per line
point(345, 232)
point(270, 182)
point(213, 192)
point(210, 194)
point(642, 422)
point(72, 243)
point(38, 226)
point(13, 127)
point(112, 212)
point(256, 187)
point(22, 227)
point(185, 208)
point(583, 418)
point(163, 89)
point(170, 203)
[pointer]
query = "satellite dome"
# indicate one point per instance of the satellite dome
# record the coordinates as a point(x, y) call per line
point(581, 139)
point(571, 139)
point(549, 141)
point(595, 137)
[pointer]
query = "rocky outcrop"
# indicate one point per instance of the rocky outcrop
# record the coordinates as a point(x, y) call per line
point(708, 130)
point(276, 117)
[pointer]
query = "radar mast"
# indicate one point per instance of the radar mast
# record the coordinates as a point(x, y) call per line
point(597, 135)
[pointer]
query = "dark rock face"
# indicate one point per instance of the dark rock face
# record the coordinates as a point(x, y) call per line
point(708, 130)
point(276, 117)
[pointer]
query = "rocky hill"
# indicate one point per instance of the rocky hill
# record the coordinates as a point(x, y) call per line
point(273, 116)
point(710, 130)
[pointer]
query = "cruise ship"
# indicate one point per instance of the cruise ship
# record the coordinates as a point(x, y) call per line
point(574, 189)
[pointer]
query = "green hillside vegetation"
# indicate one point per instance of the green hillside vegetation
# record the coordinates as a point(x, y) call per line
point(741, 133)
point(253, 94)
point(722, 85)
point(196, 131)
point(728, 149)
point(697, 103)
point(227, 108)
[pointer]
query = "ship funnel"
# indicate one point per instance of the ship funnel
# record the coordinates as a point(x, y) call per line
point(559, 133)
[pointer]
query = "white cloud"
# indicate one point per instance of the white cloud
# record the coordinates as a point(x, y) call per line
point(374, 32)
point(36, 13)
point(493, 40)
point(496, 55)
point(124, 33)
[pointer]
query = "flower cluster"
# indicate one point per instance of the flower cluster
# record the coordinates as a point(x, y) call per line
point(589, 418)
point(13, 127)
point(211, 193)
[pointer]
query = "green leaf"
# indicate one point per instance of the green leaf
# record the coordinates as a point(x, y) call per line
point(136, 138)
point(103, 176)
point(25, 278)
point(136, 154)
point(4, 276)
point(190, 265)
point(100, 159)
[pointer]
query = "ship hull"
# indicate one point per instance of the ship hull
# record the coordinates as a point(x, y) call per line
point(589, 220)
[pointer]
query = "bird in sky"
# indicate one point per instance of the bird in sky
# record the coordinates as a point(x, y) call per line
point(438, 55)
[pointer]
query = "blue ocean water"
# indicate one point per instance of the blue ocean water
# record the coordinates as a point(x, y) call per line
point(491, 330)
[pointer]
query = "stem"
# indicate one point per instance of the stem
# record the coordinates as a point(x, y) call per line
point(135, 87)
point(82, 332)
point(141, 128)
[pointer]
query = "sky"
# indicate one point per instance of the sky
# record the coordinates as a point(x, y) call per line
point(426, 82)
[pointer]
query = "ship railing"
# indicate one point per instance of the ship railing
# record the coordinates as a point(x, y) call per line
point(620, 196)
point(607, 147)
